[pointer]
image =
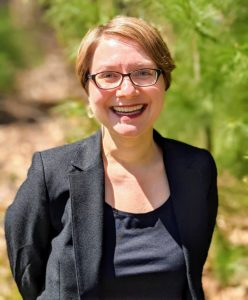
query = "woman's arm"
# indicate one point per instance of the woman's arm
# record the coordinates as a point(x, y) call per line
point(28, 230)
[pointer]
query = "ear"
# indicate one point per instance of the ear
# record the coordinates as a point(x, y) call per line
point(89, 111)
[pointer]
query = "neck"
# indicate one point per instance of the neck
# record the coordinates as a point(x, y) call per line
point(137, 150)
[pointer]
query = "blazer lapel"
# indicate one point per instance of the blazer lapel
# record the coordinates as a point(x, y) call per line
point(177, 176)
point(184, 195)
point(87, 197)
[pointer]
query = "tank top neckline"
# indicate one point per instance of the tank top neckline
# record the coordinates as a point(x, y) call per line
point(132, 214)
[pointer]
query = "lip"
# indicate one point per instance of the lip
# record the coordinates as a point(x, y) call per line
point(129, 110)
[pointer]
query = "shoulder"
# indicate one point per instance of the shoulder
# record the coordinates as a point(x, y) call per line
point(182, 148)
point(58, 161)
point(68, 151)
point(54, 165)
point(185, 154)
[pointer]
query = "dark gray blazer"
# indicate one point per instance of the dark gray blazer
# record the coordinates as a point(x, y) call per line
point(54, 228)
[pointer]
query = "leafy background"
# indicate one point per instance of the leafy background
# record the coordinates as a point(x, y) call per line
point(206, 105)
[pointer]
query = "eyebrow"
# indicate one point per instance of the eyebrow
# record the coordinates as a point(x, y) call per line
point(133, 67)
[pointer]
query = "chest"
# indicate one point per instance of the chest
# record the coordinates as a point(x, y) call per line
point(137, 193)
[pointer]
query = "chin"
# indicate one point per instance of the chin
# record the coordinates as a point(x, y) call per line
point(127, 130)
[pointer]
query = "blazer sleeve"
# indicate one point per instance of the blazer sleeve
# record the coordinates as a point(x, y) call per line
point(212, 198)
point(28, 230)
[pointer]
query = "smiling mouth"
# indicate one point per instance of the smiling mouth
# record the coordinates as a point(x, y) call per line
point(129, 110)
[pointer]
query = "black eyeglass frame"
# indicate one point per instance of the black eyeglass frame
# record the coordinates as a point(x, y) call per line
point(93, 77)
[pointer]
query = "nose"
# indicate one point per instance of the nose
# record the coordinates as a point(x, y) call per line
point(127, 88)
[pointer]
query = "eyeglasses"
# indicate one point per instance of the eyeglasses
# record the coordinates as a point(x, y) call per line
point(110, 80)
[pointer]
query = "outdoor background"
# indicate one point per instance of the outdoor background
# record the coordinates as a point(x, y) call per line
point(41, 104)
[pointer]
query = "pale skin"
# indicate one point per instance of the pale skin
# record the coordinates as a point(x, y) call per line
point(135, 177)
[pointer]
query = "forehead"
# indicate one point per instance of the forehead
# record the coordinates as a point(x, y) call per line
point(115, 51)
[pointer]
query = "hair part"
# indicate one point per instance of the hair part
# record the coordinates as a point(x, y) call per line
point(137, 30)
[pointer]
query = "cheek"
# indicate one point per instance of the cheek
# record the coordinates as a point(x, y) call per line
point(98, 97)
point(159, 93)
point(94, 95)
point(160, 101)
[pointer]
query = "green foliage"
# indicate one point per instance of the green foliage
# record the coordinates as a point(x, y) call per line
point(229, 260)
point(207, 105)
point(74, 114)
point(70, 109)
point(18, 49)
point(72, 19)
point(11, 57)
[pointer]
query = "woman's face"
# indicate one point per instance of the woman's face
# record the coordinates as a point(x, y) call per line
point(114, 108)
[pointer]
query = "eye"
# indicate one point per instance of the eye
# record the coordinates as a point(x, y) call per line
point(108, 75)
point(143, 73)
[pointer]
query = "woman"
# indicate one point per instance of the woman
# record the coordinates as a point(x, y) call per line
point(125, 213)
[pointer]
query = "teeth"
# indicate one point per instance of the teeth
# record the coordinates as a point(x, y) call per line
point(128, 109)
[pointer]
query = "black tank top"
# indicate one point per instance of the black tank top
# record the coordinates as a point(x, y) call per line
point(142, 255)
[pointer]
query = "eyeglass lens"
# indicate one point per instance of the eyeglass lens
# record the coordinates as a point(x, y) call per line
point(142, 77)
